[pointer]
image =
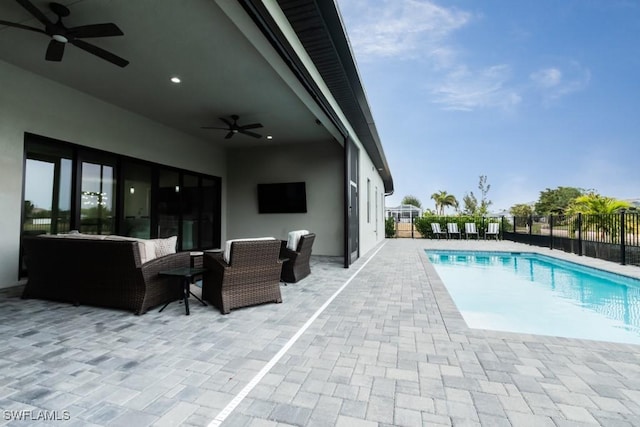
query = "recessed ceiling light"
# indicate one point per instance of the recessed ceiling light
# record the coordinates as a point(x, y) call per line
point(175, 79)
point(269, 137)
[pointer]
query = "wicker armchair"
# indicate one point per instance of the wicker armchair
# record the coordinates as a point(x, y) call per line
point(252, 275)
point(297, 266)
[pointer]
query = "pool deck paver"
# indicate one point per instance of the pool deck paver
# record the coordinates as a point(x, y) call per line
point(390, 350)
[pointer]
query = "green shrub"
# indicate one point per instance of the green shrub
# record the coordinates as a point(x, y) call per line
point(390, 227)
point(423, 223)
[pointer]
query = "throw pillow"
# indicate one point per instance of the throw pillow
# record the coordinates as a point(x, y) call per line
point(166, 246)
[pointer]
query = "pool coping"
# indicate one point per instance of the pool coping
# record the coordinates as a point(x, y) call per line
point(507, 252)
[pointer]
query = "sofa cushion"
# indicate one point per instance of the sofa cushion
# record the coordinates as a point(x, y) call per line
point(165, 246)
point(294, 238)
point(78, 236)
point(226, 255)
point(146, 248)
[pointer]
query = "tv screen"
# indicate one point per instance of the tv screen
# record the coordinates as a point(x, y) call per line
point(285, 197)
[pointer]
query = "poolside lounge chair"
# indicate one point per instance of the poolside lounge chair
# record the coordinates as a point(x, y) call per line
point(470, 230)
point(435, 229)
point(452, 229)
point(493, 229)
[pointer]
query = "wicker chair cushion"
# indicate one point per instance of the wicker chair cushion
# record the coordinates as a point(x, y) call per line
point(294, 238)
point(226, 255)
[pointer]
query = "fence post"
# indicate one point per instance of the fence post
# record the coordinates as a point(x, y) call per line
point(623, 232)
point(530, 225)
point(580, 234)
point(411, 221)
point(551, 231)
point(483, 230)
point(502, 226)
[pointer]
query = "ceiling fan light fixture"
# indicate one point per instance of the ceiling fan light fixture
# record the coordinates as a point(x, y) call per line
point(269, 136)
point(175, 79)
point(60, 38)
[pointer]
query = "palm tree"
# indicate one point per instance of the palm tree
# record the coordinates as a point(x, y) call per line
point(598, 210)
point(443, 200)
point(436, 198)
point(411, 200)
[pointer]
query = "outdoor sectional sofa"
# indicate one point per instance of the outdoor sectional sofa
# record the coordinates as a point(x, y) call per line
point(106, 271)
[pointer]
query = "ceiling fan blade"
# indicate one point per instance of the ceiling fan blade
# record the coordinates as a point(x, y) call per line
point(253, 134)
point(95, 30)
point(55, 51)
point(251, 126)
point(34, 11)
point(99, 52)
point(229, 135)
point(24, 27)
point(226, 121)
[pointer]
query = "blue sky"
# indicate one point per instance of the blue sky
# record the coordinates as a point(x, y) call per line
point(534, 94)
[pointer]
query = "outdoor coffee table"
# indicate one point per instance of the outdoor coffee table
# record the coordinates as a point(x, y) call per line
point(187, 274)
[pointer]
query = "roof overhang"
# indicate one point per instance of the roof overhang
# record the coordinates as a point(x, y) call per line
point(232, 56)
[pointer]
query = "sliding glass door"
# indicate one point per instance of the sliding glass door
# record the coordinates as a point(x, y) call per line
point(191, 201)
point(136, 199)
point(168, 203)
point(97, 196)
point(69, 187)
point(209, 216)
point(47, 195)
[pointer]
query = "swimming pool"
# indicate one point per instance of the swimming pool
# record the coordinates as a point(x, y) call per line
point(537, 294)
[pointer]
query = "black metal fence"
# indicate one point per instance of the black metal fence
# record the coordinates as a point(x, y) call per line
point(612, 237)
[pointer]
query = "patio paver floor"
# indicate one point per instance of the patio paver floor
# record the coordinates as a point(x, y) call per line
point(390, 349)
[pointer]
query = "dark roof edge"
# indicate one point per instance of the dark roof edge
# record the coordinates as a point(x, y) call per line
point(341, 49)
point(263, 19)
point(371, 142)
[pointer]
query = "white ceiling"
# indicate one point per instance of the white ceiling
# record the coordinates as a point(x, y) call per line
point(222, 72)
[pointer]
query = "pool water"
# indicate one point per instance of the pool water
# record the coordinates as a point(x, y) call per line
point(536, 294)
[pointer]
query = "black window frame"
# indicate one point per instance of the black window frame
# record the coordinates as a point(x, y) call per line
point(82, 153)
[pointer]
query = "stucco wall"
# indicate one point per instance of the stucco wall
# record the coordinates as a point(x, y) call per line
point(318, 165)
point(371, 227)
point(29, 103)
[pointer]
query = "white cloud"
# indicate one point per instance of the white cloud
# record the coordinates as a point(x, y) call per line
point(403, 29)
point(466, 90)
point(410, 29)
point(546, 78)
point(554, 83)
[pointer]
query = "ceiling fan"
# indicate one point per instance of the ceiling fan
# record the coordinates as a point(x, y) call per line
point(61, 35)
point(233, 127)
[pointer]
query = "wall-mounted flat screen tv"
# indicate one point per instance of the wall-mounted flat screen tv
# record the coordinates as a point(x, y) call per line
point(283, 197)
